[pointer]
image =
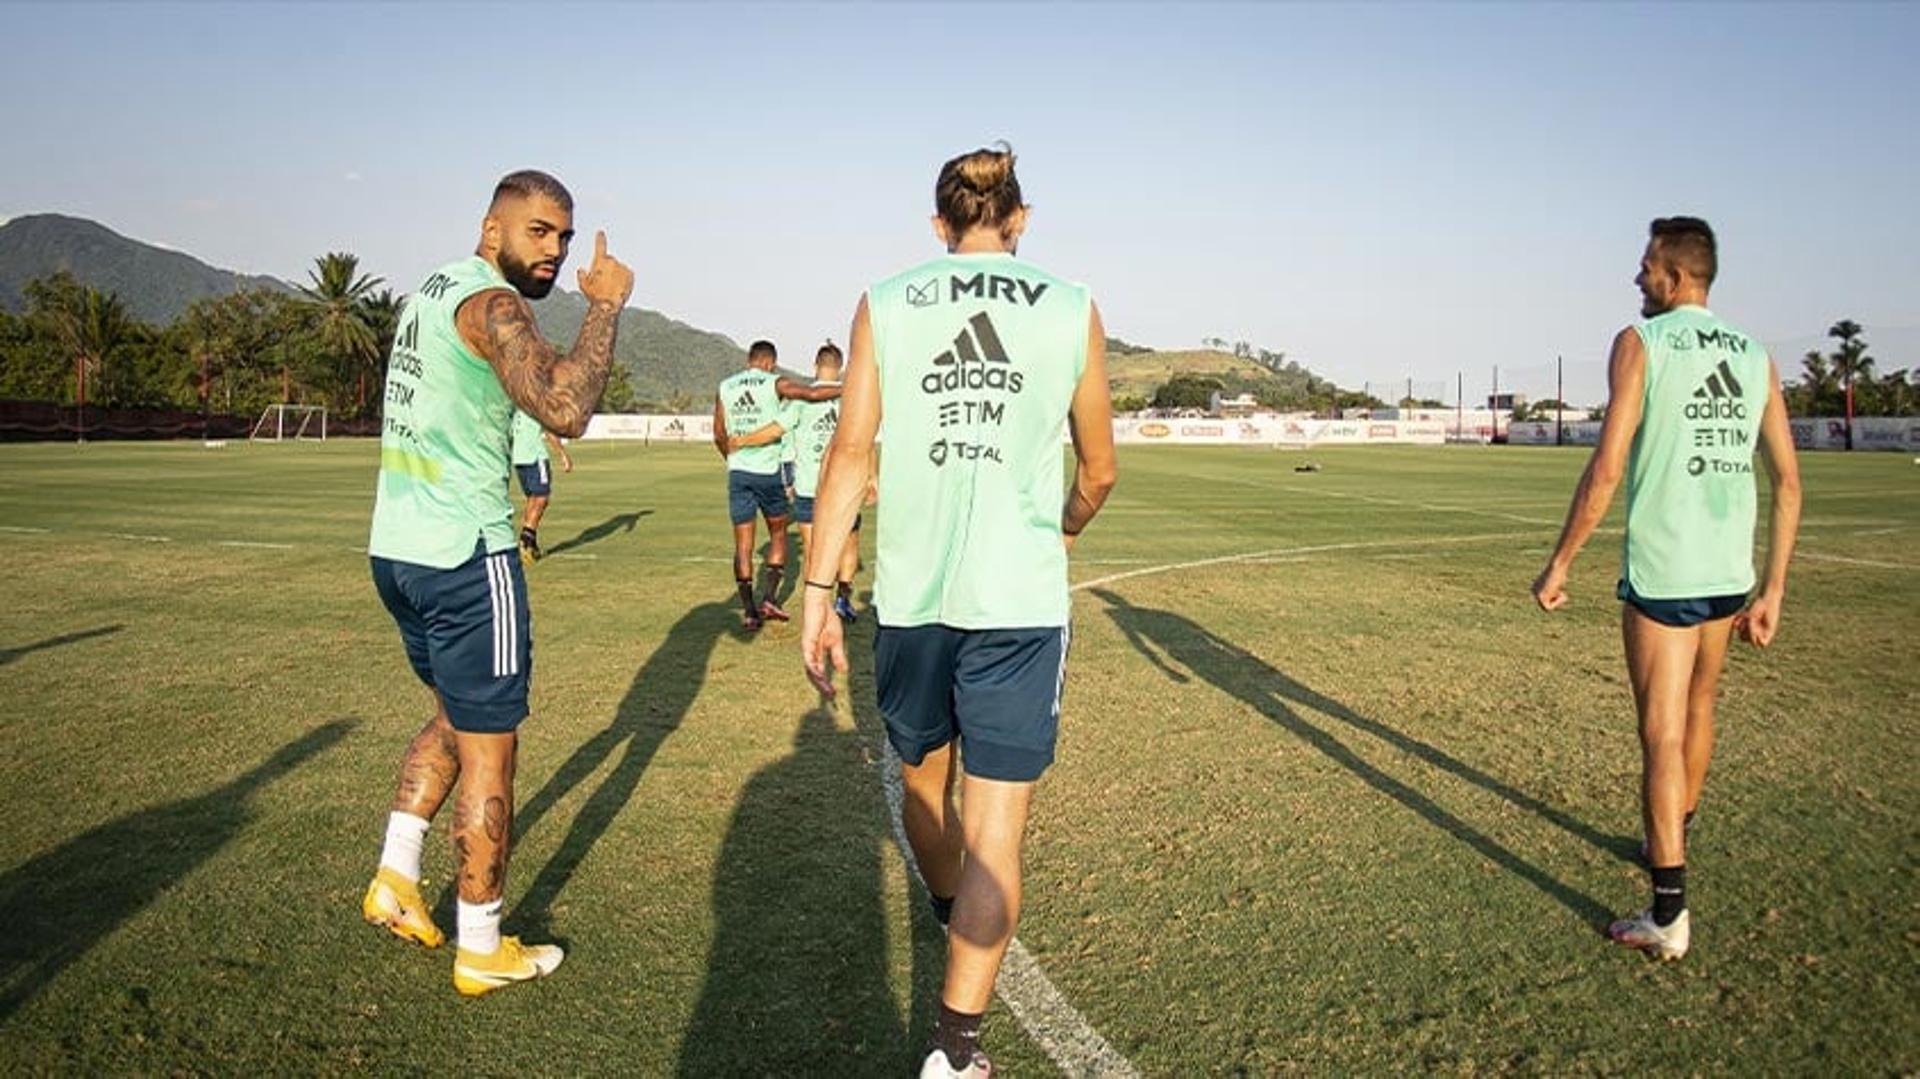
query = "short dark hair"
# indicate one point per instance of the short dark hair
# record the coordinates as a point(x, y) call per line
point(1687, 242)
point(760, 348)
point(828, 349)
point(530, 182)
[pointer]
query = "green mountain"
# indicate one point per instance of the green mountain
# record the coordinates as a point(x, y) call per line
point(1141, 373)
point(666, 360)
point(669, 364)
point(156, 284)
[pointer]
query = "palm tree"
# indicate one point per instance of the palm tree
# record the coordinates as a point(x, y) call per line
point(381, 312)
point(335, 306)
point(89, 324)
point(1850, 362)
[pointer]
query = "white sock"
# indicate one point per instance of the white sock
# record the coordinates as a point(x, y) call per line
point(406, 834)
point(479, 927)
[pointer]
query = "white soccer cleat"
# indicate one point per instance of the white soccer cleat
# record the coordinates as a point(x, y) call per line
point(1642, 932)
point(937, 1067)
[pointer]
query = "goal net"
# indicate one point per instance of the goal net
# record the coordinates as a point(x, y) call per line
point(281, 422)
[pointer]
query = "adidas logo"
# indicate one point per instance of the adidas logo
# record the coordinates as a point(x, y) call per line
point(967, 363)
point(410, 337)
point(1718, 398)
point(744, 402)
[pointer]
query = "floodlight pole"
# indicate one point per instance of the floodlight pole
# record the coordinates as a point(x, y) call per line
point(1559, 400)
point(1459, 405)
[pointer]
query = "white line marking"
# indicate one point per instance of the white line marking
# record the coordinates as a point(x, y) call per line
point(1060, 1030)
point(1853, 561)
point(250, 543)
point(580, 557)
point(17, 528)
point(1878, 532)
point(141, 538)
point(1281, 552)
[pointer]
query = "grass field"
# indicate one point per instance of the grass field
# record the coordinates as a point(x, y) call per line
point(1338, 800)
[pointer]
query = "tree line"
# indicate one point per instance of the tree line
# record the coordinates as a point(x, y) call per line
point(324, 343)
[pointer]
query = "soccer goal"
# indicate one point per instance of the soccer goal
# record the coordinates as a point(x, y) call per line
point(281, 422)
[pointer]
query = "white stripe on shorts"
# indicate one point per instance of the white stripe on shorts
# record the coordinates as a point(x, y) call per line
point(1060, 679)
point(513, 614)
point(496, 604)
point(545, 476)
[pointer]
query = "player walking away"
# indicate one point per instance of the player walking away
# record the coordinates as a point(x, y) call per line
point(1689, 394)
point(813, 424)
point(967, 366)
point(747, 424)
point(466, 356)
point(530, 464)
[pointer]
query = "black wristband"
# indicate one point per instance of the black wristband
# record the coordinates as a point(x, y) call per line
point(822, 587)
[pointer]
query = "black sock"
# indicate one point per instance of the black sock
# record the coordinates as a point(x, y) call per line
point(942, 907)
point(528, 535)
point(1669, 893)
point(844, 589)
point(745, 584)
point(957, 1034)
point(770, 576)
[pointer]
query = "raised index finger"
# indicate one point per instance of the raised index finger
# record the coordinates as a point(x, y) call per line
point(600, 245)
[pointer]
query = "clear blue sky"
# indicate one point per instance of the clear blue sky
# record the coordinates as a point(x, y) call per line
point(1381, 191)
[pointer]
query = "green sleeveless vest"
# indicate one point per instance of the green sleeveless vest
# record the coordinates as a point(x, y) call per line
point(750, 403)
point(978, 357)
point(1690, 482)
point(444, 436)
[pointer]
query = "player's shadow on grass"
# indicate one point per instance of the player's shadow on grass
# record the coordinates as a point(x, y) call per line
point(798, 975)
point(59, 905)
point(619, 522)
point(8, 655)
point(1265, 689)
point(662, 692)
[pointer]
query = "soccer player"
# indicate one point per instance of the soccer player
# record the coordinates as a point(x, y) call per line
point(530, 442)
point(811, 429)
point(747, 424)
point(968, 367)
point(467, 354)
point(1689, 396)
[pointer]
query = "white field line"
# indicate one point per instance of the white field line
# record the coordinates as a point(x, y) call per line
point(1286, 552)
point(1879, 531)
point(254, 544)
point(17, 528)
point(141, 538)
point(1066, 1036)
point(1816, 557)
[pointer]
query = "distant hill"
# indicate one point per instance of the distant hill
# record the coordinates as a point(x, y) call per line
point(156, 284)
point(664, 358)
point(1140, 373)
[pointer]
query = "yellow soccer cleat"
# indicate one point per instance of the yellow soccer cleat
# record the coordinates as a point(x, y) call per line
point(514, 962)
point(394, 901)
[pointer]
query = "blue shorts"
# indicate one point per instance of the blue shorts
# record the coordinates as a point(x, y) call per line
point(803, 511)
point(536, 479)
point(1682, 613)
point(750, 492)
point(468, 634)
point(996, 690)
point(786, 473)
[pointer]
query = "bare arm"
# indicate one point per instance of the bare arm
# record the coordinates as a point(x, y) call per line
point(799, 391)
point(1626, 398)
point(845, 474)
point(1090, 419)
point(720, 427)
point(559, 450)
point(558, 390)
point(759, 436)
point(1783, 523)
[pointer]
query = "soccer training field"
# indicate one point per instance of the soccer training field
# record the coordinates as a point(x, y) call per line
point(1333, 795)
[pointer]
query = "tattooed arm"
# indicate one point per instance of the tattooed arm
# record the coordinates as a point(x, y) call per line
point(558, 390)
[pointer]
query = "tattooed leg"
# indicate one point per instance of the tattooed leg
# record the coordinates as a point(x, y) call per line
point(429, 769)
point(483, 814)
